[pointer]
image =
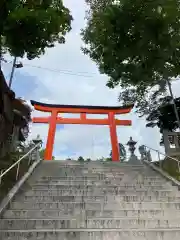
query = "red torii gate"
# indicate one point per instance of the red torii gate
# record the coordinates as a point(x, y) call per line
point(54, 109)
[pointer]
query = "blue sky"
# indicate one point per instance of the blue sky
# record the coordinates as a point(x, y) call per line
point(22, 87)
point(63, 88)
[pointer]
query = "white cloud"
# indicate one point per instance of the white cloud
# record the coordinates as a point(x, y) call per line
point(59, 88)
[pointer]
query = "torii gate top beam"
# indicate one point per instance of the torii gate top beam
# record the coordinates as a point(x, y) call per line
point(45, 107)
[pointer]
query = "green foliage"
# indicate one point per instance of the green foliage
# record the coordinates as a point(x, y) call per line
point(30, 26)
point(81, 159)
point(136, 43)
point(97, 5)
point(163, 116)
point(122, 152)
point(171, 167)
point(88, 160)
point(42, 154)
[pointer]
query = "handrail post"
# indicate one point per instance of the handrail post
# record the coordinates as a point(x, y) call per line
point(0, 176)
point(17, 171)
point(160, 163)
point(178, 167)
point(37, 155)
point(30, 157)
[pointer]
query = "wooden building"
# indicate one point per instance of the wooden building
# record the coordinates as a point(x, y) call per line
point(15, 115)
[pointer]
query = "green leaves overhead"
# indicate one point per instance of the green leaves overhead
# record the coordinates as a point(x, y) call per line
point(30, 26)
point(163, 115)
point(136, 43)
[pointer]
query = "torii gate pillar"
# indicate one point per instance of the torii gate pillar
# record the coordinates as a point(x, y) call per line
point(51, 136)
point(83, 110)
point(114, 139)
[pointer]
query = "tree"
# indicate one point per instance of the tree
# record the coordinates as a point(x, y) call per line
point(88, 160)
point(42, 153)
point(163, 116)
point(81, 159)
point(136, 43)
point(101, 159)
point(122, 152)
point(97, 5)
point(30, 26)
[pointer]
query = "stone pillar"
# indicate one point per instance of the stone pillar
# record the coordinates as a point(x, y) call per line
point(171, 138)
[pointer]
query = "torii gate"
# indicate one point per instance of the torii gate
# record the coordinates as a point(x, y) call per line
point(54, 109)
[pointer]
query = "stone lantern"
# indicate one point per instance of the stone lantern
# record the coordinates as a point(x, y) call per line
point(133, 158)
point(131, 143)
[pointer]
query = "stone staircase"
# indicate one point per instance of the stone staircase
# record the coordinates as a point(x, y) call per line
point(67, 200)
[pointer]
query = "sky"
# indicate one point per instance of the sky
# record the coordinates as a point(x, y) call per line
point(77, 81)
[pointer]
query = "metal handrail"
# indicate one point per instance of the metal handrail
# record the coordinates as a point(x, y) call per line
point(165, 155)
point(18, 162)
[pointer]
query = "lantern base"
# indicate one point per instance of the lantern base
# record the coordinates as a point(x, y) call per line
point(134, 159)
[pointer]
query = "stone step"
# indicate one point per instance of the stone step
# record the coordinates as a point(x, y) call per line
point(93, 234)
point(116, 180)
point(63, 172)
point(22, 224)
point(99, 176)
point(83, 217)
point(102, 183)
point(91, 163)
point(96, 173)
point(69, 168)
point(103, 176)
point(83, 176)
point(96, 191)
point(95, 169)
point(150, 213)
point(97, 185)
point(90, 181)
point(114, 167)
point(125, 198)
point(103, 179)
point(92, 171)
point(100, 168)
point(99, 204)
point(76, 179)
point(106, 181)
